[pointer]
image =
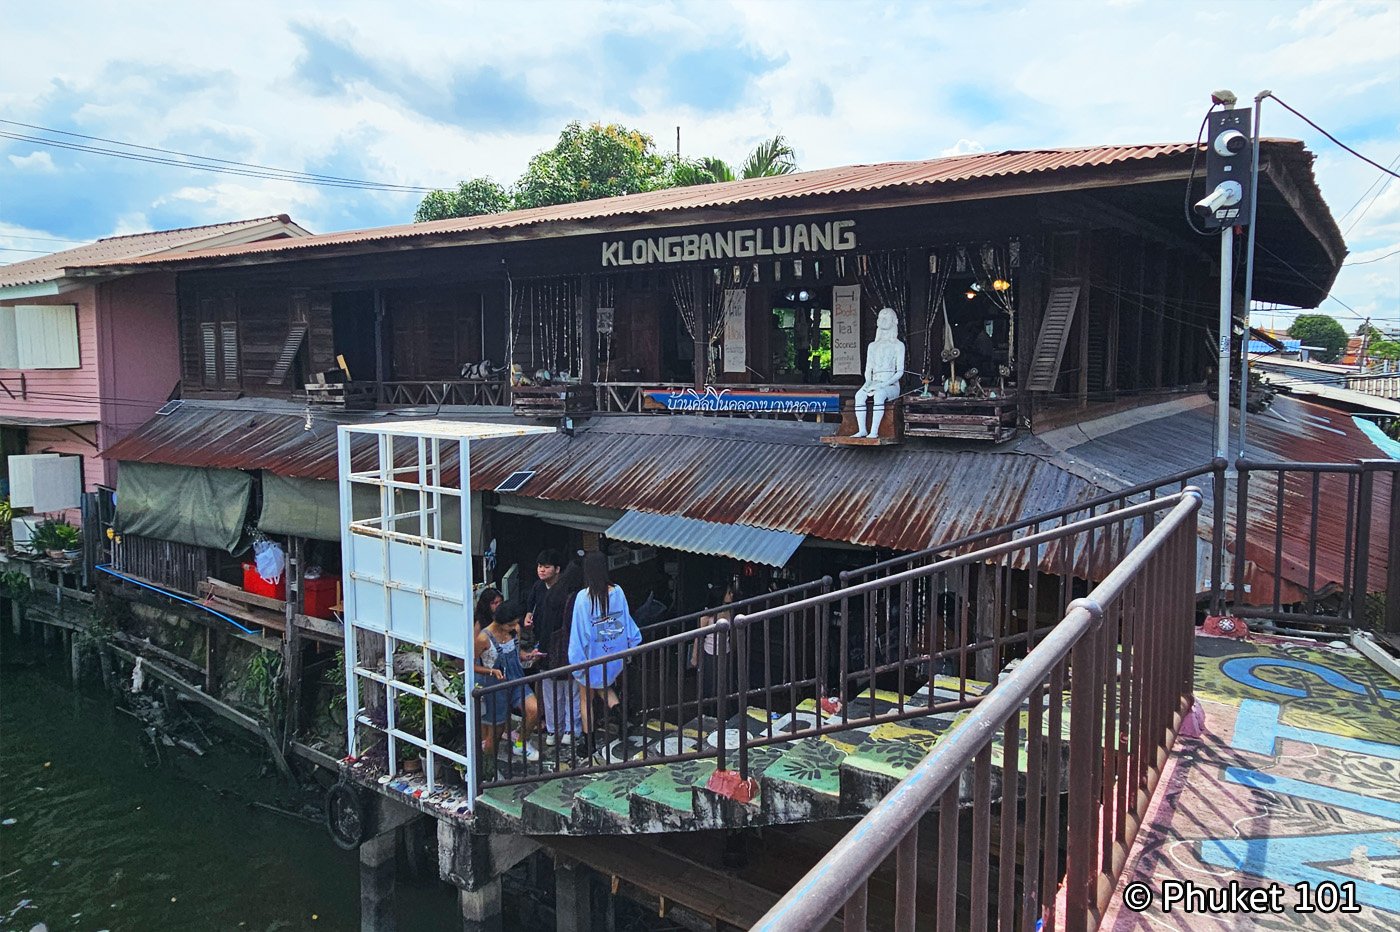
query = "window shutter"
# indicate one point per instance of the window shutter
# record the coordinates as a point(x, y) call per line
point(46, 336)
point(229, 336)
point(1054, 334)
point(9, 345)
point(211, 353)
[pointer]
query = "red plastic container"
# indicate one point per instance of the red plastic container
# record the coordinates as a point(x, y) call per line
point(255, 584)
point(318, 595)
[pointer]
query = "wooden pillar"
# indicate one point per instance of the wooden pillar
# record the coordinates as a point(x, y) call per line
point(1030, 304)
point(16, 616)
point(481, 908)
point(573, 897)
point(588, 329)
point(379, 372)
point(1113, 338)
point(211, 661)
point(75, 658)
point(1158, 345)
point(1085, 311)
point(702, 330)
point(377, 865)
point(291, 640)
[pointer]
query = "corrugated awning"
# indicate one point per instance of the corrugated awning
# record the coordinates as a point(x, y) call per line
point(692, 535)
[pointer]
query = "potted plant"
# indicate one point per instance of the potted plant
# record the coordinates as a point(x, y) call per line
point(7, 515)
point(57, 538)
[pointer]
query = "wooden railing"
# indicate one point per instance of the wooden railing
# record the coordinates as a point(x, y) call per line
point(445, 392)
point(1384, 386)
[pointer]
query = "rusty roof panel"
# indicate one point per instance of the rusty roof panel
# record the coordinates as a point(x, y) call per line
point(119, 249)
point(846, 179)
point(775, 476)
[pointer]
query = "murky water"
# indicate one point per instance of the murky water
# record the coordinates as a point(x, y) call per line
point(97, 835)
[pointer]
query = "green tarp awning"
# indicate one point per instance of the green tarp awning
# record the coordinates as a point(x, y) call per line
point(200, 507)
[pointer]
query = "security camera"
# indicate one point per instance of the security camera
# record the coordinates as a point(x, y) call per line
point(1231, 142)
point(1226, 194)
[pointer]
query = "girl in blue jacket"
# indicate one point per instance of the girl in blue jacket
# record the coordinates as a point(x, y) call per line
point(602, 624)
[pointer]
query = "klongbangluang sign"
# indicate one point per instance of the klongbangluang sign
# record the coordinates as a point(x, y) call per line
point(845, 330)
point(725, 399)
point(789, 239)
point(735, 336)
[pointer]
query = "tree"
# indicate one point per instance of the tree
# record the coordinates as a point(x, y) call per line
point(1381, 348)
point(770, 157)
point(472, 198)
point(1320, 330)
point(592, 162)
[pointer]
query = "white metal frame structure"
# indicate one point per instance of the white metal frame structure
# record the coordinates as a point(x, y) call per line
point(408, 575)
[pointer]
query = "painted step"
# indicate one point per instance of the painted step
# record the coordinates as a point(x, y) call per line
point(713, 810)
point(604, 806)
point(804, 783)
point(665, 801)
point(549, 810)
point(501, 808)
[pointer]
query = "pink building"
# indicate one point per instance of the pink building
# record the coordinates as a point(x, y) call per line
point(84, 360)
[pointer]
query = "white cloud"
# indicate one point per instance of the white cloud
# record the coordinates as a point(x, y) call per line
point(964, 147)
point(853, 82)
point(34, 162)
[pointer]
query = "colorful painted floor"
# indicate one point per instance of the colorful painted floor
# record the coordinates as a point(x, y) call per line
point(1295, 780)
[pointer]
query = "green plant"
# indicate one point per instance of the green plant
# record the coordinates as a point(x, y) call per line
point(97, 634)
point(15, 586)
point(261, 681)
point(7, 515)
point(56, 534)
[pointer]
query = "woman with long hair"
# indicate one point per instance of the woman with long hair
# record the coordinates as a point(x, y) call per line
point(498, 657)
point(602, 624)
point(486, 604)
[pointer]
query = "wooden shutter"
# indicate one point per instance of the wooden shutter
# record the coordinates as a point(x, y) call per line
point(228, 337)
point(295, 335)
point(210, 341)
point(1054, 334)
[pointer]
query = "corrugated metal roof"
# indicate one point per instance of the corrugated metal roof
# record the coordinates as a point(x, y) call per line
point(847, 179)
point(770, 475)
point(771, 548)
point(1291, 431)
point(112, 249)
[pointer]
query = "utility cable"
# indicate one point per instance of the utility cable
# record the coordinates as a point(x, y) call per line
point(217, 166)
point(1324, 132)
point(1377, 259)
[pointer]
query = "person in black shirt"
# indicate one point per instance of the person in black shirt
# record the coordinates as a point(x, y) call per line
point(547, 614)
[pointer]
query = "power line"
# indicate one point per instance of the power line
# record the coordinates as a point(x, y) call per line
point(1377, 259)
point(1324, 132)
point(190, 160)
point(41, 252)
point(44, 239)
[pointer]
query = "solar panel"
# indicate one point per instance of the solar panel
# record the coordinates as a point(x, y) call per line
point(170, 407)
point(515, 481)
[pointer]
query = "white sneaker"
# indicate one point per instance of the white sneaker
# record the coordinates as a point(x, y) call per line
point(566, 738)
point(549, 739)
point(531, 753)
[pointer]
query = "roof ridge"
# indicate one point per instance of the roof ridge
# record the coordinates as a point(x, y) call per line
point(285, 218)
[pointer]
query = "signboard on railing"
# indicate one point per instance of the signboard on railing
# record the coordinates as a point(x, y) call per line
point(714, 399)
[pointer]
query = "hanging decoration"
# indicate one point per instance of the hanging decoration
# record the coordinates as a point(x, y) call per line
point(940, 270)
point(884, 279)
point(546, 313)
point(993, 271)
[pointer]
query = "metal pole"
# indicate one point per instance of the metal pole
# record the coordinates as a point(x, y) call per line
point(1227, 286)
point(1249, 270)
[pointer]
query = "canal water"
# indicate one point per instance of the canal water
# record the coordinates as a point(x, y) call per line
point(96, 833)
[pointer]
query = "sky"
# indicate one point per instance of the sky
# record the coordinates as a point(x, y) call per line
point(427, 94)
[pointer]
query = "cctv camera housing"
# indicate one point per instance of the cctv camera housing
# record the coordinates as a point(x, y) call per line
point(1226, 194)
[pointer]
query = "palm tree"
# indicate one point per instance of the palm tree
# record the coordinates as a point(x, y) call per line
point(770, 157)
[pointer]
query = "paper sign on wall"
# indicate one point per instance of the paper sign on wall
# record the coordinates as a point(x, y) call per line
point(735, 314)
point(845, 330)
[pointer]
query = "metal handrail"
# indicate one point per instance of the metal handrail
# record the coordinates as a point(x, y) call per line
point(815, 899)
point(737, 631)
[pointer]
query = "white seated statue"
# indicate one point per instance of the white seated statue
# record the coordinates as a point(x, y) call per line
point(884, 366)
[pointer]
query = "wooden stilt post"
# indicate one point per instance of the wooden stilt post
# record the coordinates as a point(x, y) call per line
point(291, 642)
point(16, 616)
point(75, 656)
point(211, 661)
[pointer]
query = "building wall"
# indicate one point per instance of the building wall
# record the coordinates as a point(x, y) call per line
point(139, 343)
point(59, 393)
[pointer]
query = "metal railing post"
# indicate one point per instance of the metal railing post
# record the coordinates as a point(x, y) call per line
point(741, 676)
point(1362, 554)
point(1241, 528)
point(722, 658)
point(1219, 511)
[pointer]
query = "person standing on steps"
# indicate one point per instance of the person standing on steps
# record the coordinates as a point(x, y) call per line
point(602, 624)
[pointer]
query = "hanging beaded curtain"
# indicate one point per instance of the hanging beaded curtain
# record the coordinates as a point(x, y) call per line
point(940, 270)
point(604, 295)
point(992, 263)
point(708, 298)
point(545, 313)
point(884, 282)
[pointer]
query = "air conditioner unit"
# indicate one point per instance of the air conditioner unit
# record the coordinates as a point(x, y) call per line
point(22, 530)
point(46, 482)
